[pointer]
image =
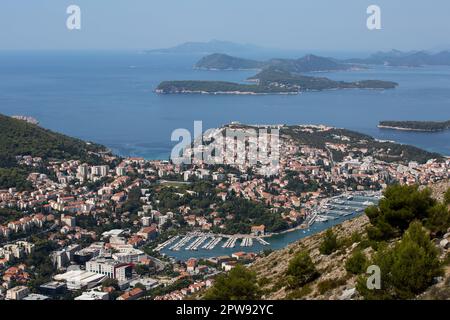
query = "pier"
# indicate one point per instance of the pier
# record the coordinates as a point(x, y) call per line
point(262, 241)
point(166, 243)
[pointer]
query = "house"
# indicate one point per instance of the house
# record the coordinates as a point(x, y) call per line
point(133, 294)
point(258, 230)
point(227, 266)
point(191, 264)
point(147, 232)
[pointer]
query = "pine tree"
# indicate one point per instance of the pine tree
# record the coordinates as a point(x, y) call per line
point(301, 270)
point(238, 284)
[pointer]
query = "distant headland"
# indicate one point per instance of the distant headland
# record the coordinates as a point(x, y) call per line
point(424, 126)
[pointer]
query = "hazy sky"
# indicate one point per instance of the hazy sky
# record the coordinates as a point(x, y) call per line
point(335, 25)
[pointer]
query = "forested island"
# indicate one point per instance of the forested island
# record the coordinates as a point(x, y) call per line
point(218, 87)
point(308, 63)
point(269, 81)
point(425, 126)
point(276, 76)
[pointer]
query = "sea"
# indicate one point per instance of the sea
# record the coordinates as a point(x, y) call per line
point(108, 97)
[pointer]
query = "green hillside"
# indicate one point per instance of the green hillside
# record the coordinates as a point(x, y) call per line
point(21, 138)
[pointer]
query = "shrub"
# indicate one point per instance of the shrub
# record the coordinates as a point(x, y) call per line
point(263, 282)
point(238, 284)
point(357, 263)
point(330, 284)
point(299, 293)
point(329, 243)
point(400, 206)
point(447, 197)
point(438, 220)
point(407, 269)
point(301, 270)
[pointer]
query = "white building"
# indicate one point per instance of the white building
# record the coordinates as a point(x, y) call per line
point(111, 268)
point(17, 293)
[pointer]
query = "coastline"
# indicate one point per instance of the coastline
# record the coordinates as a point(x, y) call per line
point(410, 129)
point(230, 93)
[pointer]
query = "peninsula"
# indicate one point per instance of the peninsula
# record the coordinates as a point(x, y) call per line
point(424, 126)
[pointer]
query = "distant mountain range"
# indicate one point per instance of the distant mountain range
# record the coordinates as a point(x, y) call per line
point(308, 63)
point(209, 47)
point(219, 50)
point(406, 59)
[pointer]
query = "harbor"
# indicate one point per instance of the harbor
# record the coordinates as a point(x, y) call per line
point(330, 212)
point(195, 241)
point(343, 206)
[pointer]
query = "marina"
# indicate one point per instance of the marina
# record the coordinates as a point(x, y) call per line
point(166, 243)
point(330, 212)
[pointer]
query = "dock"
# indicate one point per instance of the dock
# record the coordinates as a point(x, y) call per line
point(166, 243)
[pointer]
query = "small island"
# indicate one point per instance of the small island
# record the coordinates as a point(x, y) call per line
point(423, 126)
point(308, 63)
point(271, 80)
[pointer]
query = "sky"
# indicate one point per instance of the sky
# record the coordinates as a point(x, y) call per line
point(325, 25)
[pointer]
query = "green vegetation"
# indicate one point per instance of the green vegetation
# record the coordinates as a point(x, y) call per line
point(329, 243)
point(330, 284)
point(301, 270)
point(407, 269)
point(197, 86)
point(438, 220)
point(238, 284)
point(308, 63)
point(219, 61)
point(357, 263)
point(21, 138)
point(429, 126)
point(8, 215)
point(14, 177)
point(275, 76)
point(248, 213)
point(447, 197)
point(299, 293)
point(384, 151)
point(108, 282)
point(132, 204)
point(40, 263)
point(400, 206)
point(299, 186)
point(270, 81)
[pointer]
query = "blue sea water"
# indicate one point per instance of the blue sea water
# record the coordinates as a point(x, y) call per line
point(108, 97)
